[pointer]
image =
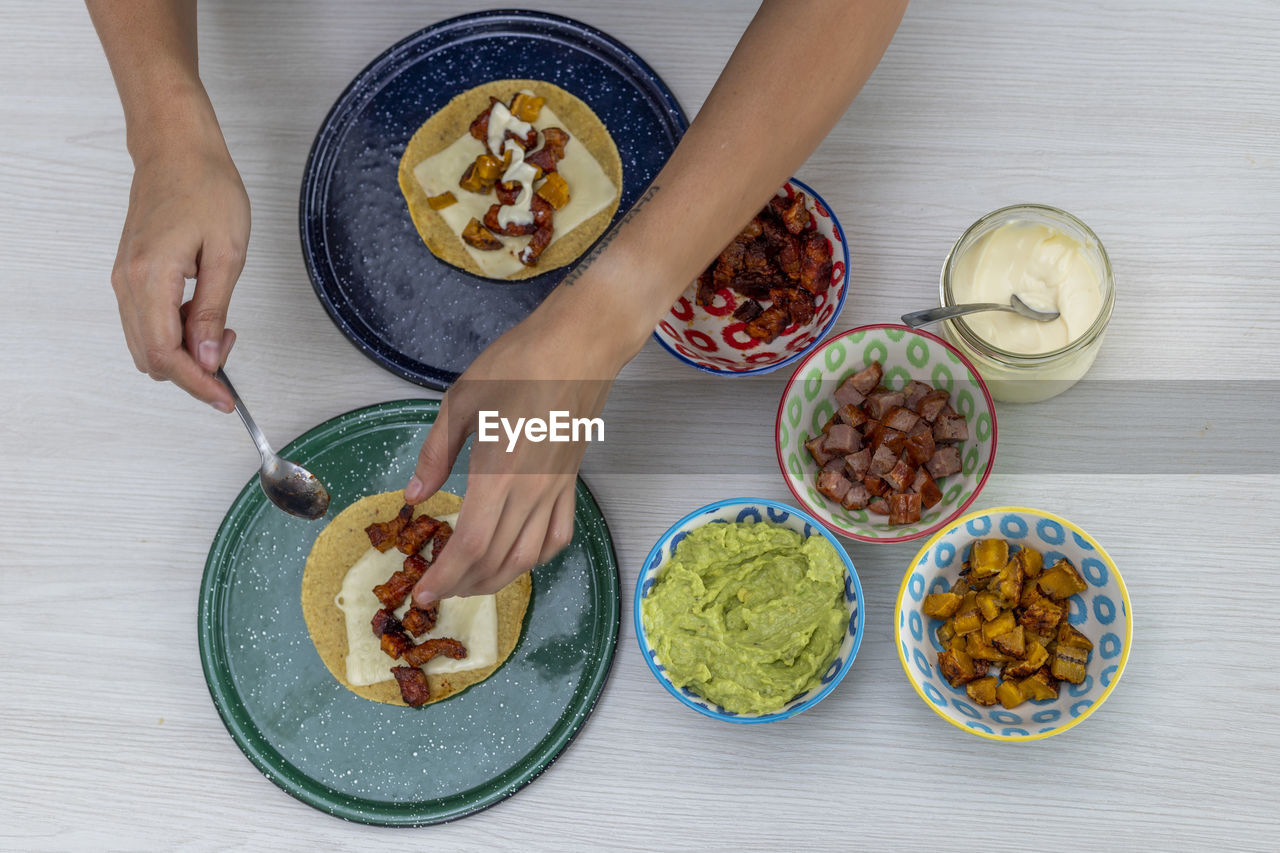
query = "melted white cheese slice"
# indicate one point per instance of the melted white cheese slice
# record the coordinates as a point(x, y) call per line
point(473, 621)
point(590, 191)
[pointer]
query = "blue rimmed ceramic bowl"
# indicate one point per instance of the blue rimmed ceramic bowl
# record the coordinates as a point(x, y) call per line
point(740, 510)
point(711, 339)
point(1102, 613)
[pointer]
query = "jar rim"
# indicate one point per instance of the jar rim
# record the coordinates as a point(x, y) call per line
point(1038, 213)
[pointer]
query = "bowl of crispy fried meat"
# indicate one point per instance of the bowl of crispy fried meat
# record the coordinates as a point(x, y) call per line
point(770, 296)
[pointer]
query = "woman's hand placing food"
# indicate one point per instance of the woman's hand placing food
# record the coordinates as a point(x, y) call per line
point(519, 503)
point(189, 217)
point(769, 110)
point(188, 212)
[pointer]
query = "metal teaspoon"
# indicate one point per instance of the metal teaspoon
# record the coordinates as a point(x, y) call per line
point(286, 484)
point(916, 319)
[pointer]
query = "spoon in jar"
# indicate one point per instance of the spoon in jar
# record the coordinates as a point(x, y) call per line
point(916, 319)
point(286, 484)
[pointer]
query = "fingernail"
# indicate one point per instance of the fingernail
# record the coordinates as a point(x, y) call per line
point(209, 353)
point(413, 491)
point(222, 406)
point(422, 599)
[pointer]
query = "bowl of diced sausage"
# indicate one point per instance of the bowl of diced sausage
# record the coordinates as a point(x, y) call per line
point(885, 433)
point(770, 296)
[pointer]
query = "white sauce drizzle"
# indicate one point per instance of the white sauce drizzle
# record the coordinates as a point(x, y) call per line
point(520, 211)
point(500, 121)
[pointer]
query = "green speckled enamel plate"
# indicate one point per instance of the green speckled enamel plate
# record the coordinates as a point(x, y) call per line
point(384, 764)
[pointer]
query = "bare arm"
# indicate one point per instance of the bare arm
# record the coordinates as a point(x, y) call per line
point(188, 213)
point(771, 107)
point(793, 74)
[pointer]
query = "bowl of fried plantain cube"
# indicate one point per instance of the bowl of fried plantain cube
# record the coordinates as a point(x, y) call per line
point(1013, 624)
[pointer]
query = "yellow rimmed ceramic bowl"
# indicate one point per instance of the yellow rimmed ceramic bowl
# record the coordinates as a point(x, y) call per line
point(1102, 613)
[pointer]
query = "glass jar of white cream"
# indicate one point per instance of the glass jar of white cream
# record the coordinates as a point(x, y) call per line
point(1052, 261)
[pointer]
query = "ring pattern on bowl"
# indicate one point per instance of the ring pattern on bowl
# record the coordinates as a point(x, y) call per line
point(1101, 612)
point(906, 354)
point(711, 339)
point(740, 510)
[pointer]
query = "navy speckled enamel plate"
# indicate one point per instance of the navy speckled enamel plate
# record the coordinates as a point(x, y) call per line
point(385, 764)
point(415, 315)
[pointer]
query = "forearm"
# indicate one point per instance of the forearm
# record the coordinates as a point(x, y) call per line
point(151, 48)
point(791, 77)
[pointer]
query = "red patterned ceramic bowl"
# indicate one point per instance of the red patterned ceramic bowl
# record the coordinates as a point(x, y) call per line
point(710, 339)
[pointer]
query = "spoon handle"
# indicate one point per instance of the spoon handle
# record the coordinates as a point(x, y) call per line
point(916, 319)
point(264, 449)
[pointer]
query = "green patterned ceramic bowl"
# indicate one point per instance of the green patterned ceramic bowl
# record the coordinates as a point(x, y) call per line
point(906, 354)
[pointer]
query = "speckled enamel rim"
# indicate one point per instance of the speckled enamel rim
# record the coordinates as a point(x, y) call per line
point(817, 341)
point(1111, 566)
point(991, 407)
point(263, 754)
point(350, 321)
point(849, 569)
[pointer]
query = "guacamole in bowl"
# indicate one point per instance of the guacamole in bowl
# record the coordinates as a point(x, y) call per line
point(748, 610)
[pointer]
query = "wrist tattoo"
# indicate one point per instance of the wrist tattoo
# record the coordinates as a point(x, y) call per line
point(598, 249)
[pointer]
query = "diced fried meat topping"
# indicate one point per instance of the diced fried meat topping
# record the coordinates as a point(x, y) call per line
point(427, 649)
point(815, 262)
point(395, 643)
point(416, 533)
point(747, 311)
point(799, 304)
point(442, 536)
point(419, 620)
point(792, 212)
point(507, 192)
point(765, 264)
point(391, 632)
point(385, 620)
point(542, 211)
point(414, 688)
point(706, 292)
point(400, 584)
point(768, 325)
point(382, 534)
point(511, 229)
point(480, 126)
point(545, 158)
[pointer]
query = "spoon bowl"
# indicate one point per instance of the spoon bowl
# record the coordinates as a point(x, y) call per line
point(916, 319)
point(286, 484)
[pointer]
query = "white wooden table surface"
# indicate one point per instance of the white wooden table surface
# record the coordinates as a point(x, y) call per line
point(1158, 123)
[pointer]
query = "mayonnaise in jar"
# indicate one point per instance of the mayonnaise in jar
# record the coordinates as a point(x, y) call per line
point(1052, 262)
